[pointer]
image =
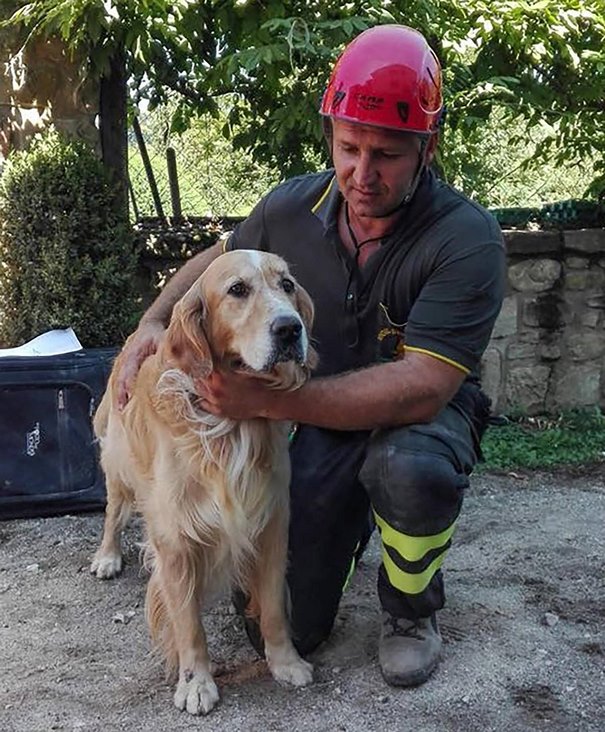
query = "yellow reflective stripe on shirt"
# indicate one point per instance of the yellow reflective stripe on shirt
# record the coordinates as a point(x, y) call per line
point(323, 196)
point(412, 548)
point(438, 356)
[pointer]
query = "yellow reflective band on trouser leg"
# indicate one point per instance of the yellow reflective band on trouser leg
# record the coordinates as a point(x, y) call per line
point(351, 569)
point(411, 549)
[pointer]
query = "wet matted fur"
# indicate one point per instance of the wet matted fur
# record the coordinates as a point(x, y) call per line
point(213, 492)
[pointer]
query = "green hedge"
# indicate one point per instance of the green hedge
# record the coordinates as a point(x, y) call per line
point(570, 214)
point(66, 250)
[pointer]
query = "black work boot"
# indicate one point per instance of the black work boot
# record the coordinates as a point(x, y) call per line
point(408, 651)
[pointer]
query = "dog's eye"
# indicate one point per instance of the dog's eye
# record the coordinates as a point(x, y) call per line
point(288, 285)
point(239, 289)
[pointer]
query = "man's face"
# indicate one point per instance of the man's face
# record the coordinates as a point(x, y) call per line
point(374, 166)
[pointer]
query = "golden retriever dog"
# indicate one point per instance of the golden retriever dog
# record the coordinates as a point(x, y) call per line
point(213, 492)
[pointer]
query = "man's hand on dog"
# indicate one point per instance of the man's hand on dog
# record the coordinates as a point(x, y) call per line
point(142, 343)
point(237, 396)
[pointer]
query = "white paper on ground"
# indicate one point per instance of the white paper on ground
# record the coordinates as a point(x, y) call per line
point(50, 343)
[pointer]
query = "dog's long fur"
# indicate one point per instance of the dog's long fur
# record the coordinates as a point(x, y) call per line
point(213, 492)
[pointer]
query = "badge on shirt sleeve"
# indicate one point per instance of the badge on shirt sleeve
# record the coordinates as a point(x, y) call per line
point(390, 336)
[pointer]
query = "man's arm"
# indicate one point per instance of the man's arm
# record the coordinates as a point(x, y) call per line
point(411, 390)
point(161, 309)
point(146, 339)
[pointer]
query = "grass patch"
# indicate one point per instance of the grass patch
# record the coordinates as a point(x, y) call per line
point(574, 437)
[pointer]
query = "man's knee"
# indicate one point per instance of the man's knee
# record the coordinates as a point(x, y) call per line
point(414, 490)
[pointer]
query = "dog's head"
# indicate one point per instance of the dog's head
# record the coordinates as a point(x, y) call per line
point(247, 313)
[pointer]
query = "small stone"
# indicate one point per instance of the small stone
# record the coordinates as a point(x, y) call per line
point(549, 352)
point(32, 568)
point(124, 618)
point(506, 323)
point(550, 619)
point(534, 275)
point(591, 318)
point(336, 670)
point(587, 241)
point(577, 262)
point(527, 386)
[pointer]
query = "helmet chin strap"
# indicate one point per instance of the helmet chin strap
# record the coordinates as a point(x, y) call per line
point(424, 141)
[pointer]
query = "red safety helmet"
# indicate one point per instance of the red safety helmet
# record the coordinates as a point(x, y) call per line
point(389, 77)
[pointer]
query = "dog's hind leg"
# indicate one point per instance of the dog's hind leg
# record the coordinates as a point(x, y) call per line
point(107, 561)
point(267, 592)
point(176, 577)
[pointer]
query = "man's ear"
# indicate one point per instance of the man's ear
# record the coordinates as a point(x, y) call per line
point(431, 147)
point(186, 342)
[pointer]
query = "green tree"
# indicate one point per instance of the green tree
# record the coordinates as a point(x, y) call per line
point(542, 61)
point(542, 64)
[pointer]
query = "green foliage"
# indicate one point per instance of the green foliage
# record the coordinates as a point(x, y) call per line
point(575, 437)
point(491, 168)
point(214, 178)
point(542, 62)
point(66, 255)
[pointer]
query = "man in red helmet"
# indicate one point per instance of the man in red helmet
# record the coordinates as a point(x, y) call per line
point(407, 276)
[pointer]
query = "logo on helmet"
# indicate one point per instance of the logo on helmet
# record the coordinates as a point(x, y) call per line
point(337, 99)
point(370, 102)
point(403, 110)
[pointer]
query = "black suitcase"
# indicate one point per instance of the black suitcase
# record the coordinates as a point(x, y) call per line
point(48, 456)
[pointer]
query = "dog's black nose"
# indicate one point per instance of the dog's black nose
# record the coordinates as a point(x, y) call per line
point(286, 330)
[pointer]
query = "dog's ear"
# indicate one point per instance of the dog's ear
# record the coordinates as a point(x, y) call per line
point(186, 341)
point(305, 307)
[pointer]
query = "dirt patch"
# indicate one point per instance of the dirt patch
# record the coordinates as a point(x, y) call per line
point(539, 703)
point(523, 631)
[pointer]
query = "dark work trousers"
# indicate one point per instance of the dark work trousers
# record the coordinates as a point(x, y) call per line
point(414, 478)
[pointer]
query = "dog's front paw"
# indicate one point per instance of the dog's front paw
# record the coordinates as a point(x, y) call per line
point(294, 671)
point(196, 692)
point(106, 566)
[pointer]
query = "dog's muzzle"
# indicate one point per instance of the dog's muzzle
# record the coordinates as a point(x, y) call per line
point(286, 334)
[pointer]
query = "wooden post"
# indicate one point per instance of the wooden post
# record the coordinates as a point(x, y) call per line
point(133, 200)
point(173, 179)
point(148, 169)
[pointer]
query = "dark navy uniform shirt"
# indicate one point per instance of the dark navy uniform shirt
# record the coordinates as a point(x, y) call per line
point(434, 286)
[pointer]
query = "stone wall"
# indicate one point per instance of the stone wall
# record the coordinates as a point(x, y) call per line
point(548, 345)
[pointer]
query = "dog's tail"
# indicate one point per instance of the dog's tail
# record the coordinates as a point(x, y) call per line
point(101, 417)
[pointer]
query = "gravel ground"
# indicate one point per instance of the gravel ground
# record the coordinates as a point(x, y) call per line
point(523, 630)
